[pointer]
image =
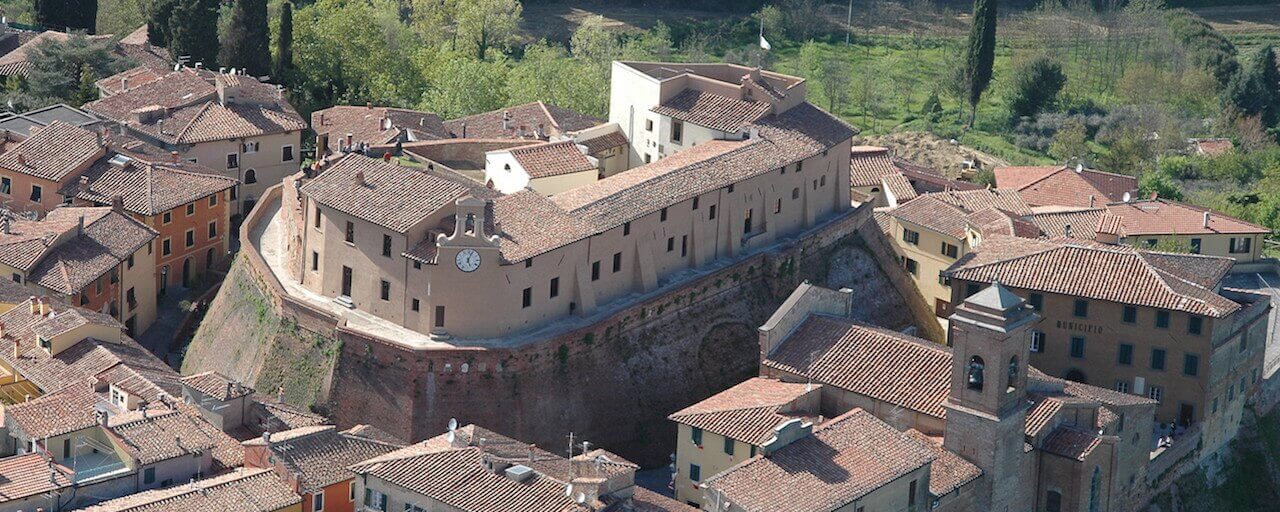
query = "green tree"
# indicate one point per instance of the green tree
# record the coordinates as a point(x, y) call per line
point(158, 32)
point(60, 69)
point(335, 64)
point(980, 54)
point(66, 15)
point(932, 108)
point(773, 22)
point(831, 72)
point(1268, 69)
point(1035, 88)
point(594, 43)
point(246, 43)
point(1160, 183)
point(284, 45)
point(547, 73)
point(193, 31)
point(485, 24)
point(1070, 142)
point(1130, 153)
point(462, 86)
point(654, 44)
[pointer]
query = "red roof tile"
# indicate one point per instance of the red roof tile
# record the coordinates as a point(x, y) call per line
point(544, 160)
point(749, 411)
point(1164, 217)
point(1065, 186)
point(713, 110)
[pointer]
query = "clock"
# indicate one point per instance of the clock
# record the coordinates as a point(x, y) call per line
point(468, 260)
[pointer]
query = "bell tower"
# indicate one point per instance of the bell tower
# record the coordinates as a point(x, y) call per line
point(987, 409)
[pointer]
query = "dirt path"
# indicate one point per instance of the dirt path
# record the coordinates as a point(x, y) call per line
point(1242, 18)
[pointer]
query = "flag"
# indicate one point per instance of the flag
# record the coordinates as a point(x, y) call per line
point(764, 43)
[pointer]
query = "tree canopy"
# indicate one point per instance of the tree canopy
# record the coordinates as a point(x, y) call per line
point(245, 45)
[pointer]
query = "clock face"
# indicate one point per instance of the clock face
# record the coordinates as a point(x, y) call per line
point(468, 260)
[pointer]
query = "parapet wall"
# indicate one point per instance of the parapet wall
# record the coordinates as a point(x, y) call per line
point(611, 383)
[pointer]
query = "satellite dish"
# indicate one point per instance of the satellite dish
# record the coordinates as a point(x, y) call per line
point(450, 437)
point(453, 424)
point(465, 367)
point(582, 498)
point(1079, 167)
point(1127, 197)
point(568, 490)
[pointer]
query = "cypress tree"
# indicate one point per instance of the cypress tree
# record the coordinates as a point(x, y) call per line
point(193, 31)
point(1269, 75)
point(158, 22)
point(247, 43)
point(284, 44)
point(980, 55)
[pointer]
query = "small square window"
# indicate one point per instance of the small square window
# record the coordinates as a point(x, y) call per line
point(1195, 325)
point(191, 209)
point(1077, 347)
point(1157, 358)
point(1130, 315)
point(168, 217)
point(910, 236)
point(1037, 301)
point(1081, 309)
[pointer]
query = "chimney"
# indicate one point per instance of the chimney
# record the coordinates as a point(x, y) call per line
point(385, 123)
point(1091, 200)
point(231, 389)
point(102, 419)
point(360, 178)
point(44, 306)
point(322, 120)
point(1066, 231)
point(532, 447)
point(506, 120)
point(266, 437)
point(1154, 195)
point(524, 131)
point(542, 131)
point(80, 226)
point(35, 304)
point(350, 140)
point(368, 104)
point(1206, 219)
point(22, 159)
point(117, 203)
point(199, 66)
point(124, 84)
point(99, 137)
point(464, 130)
point(173, 156)
point(280, 394)
point(84, 184)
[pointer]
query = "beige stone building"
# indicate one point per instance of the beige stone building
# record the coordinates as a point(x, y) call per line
point(438, 252)
point(1153, 324)
point(231, 123)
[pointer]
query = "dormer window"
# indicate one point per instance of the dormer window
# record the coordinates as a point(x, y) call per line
point(45, 344)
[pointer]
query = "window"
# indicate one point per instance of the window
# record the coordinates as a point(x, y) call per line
point(213, 230)
point(684, 245)
point(911, 266)
point(149, 476)
point(943, 279)
point(730, 188)
point(626, 228)
point(949, 250)
point(351, 233)
point(910, 236)
point(386, 245)
point(648, 125)
point(1157, 358)
point(1037, 342)
point(555, 287)
point(1125, 355)
point(1190, 365)
point(677, 131)
point(6, 186)
point(36, 193)
point(822, 181)
point(233, 160)
point(286, 153)
point(911, 494)
point(712, 215)
point(1155, 393)
point(317, 218)
point(1081, 309)
point(1240, 245)
point(384, 289)
point(777, 208)
point(1077, 347)
point(439, 316)
point(695, 473)
point(1122, 386)
point(1037, 301)
point(128, 262)
point(1130, 315)
point(131, 298)
point(250, 176)
point(527, 263)
point(375, 500)
point(317, 501)
point(1195, 325)
point(695, 435)
point(695, 203)
point(595, 271)
point(671, 244)
point(728, 446)
point(17, 278)
point(250, 147)
point(1151, 242)
point(315, 261)
point(416, 305)
point(1162, 319)
point(190, 236)
point(1195, 246)
point(1053, 502)
point(663, 215)
point(191, 209)
point(168, 217)
point(617, 262)
point(795, 193)
point(164, 247)
point(647, 158)
point(526, 299)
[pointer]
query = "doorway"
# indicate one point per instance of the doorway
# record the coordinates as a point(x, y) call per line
point(1186, 414)
point(346, 281)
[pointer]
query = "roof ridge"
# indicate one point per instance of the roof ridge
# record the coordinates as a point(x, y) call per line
point(682, 414)
point(178, 136)
point(547, 111)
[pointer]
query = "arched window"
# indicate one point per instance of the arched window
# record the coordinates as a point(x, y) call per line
point(250, 176)
point(976, 368)
point(874, 190)
point(1095, 490)
point(795, 193)
point(1013, 374)
point(1053, 502)
point(471, 224)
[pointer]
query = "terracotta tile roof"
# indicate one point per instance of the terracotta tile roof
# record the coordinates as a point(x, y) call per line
point(28, 475)
point(488, 125)
point(990, 221)
point(54, 152)
point(390, 196)
point(1112, 273)
point(452, 473)
point(608, 140)
point(1043, 411)
point(945, 212)
point(750, 410)
point(1064, 186)
point(1164, 217)
point(878, 363)
point(926, 180)
point(136, 77)
point(1213, 147)
point(713, 110)
point(1071, 442)
point(182, 107)
point(163, 435)
point(18, 61)
point(64, 411)
point(544, 160)
point(1101, 395)
point(147, 186)
point(217, 386)
point(108, 239)
point(948, 471)
point(365, 124)
point(318, 456)
point(242, 490)
point(1084, 223)
point(867, 164)
point(844, 460)
point(645, 500)
point(899, 186)
point(973, 200)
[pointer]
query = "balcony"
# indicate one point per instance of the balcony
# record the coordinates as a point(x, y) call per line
point(95, 466)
